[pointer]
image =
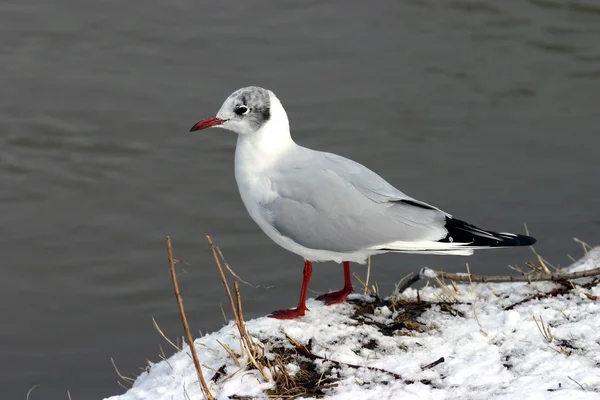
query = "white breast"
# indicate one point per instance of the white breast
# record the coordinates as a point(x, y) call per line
point(252, 167)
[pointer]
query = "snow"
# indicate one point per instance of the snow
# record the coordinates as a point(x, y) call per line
point(489, 351)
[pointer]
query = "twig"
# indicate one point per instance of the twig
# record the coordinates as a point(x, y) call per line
point(238, 299)
point(184, 321)
point(590, 296)
point(433, 364)
point(409, 282)
point(552, 293)
point(558, 277)
point(537, 278)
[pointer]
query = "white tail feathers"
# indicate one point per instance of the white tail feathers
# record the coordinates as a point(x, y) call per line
point(428, 247)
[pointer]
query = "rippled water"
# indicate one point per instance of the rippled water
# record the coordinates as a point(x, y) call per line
point(487, 110)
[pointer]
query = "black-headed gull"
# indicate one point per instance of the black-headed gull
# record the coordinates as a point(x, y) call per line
point(325, 207)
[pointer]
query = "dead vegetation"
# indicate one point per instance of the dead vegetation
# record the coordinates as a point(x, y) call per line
point(271, 360)
point(312, 374)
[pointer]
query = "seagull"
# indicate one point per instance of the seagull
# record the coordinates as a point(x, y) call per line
point(324, 207)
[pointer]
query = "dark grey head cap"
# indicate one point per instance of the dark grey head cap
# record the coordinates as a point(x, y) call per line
point(246, 110)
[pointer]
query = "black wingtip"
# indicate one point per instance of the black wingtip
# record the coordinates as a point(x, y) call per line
point(462, 232)
point(526, 240)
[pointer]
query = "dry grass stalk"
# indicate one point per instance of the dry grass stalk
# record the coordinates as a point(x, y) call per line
point(252, 350)
point(223, 279)
point(164, 336)
point(518, 269)
point(448, 295)
point(286, 385)
point(230, 352)
point(230, 270)
point(368, 276)
point(129, 381)
point(585, 246)
point(395, 298)
point(549, 337)
point(578, 384)
point(469, 275)
point(367, 290)
point(186, 327)
point(477, 320)
point(540, 259)
point(185, 393)
point(543, 262)
point(223, 313)
point(535, 268)
point(561, 350)
point(454, 286)
point(544, 329)
point(163, 356)
point(375, 289)
point(407, 282)
point(247, 343)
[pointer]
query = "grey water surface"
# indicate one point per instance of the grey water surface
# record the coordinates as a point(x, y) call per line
point(489, 110)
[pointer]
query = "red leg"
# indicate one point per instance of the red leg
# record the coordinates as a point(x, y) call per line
point(340, 295)
point(298, 311)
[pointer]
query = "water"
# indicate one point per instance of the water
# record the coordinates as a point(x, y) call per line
point(489, 111)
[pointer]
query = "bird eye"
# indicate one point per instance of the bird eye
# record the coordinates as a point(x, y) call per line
point(241, 110)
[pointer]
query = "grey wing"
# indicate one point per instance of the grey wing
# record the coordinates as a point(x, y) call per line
point(368, 182)
point(326, 206)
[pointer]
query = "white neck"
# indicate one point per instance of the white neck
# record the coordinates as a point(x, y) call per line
point(265, 146)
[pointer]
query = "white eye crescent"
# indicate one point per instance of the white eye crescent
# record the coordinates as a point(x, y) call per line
point(241, 110)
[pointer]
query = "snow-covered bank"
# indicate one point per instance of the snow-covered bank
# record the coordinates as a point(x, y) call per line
point(489, 351)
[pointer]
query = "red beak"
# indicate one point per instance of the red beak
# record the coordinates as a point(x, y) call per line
point(206, 123)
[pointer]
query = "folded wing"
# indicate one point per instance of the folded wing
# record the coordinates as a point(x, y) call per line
point(332, 203)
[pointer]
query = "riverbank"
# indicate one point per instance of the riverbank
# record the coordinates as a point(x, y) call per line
point(465, 341)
